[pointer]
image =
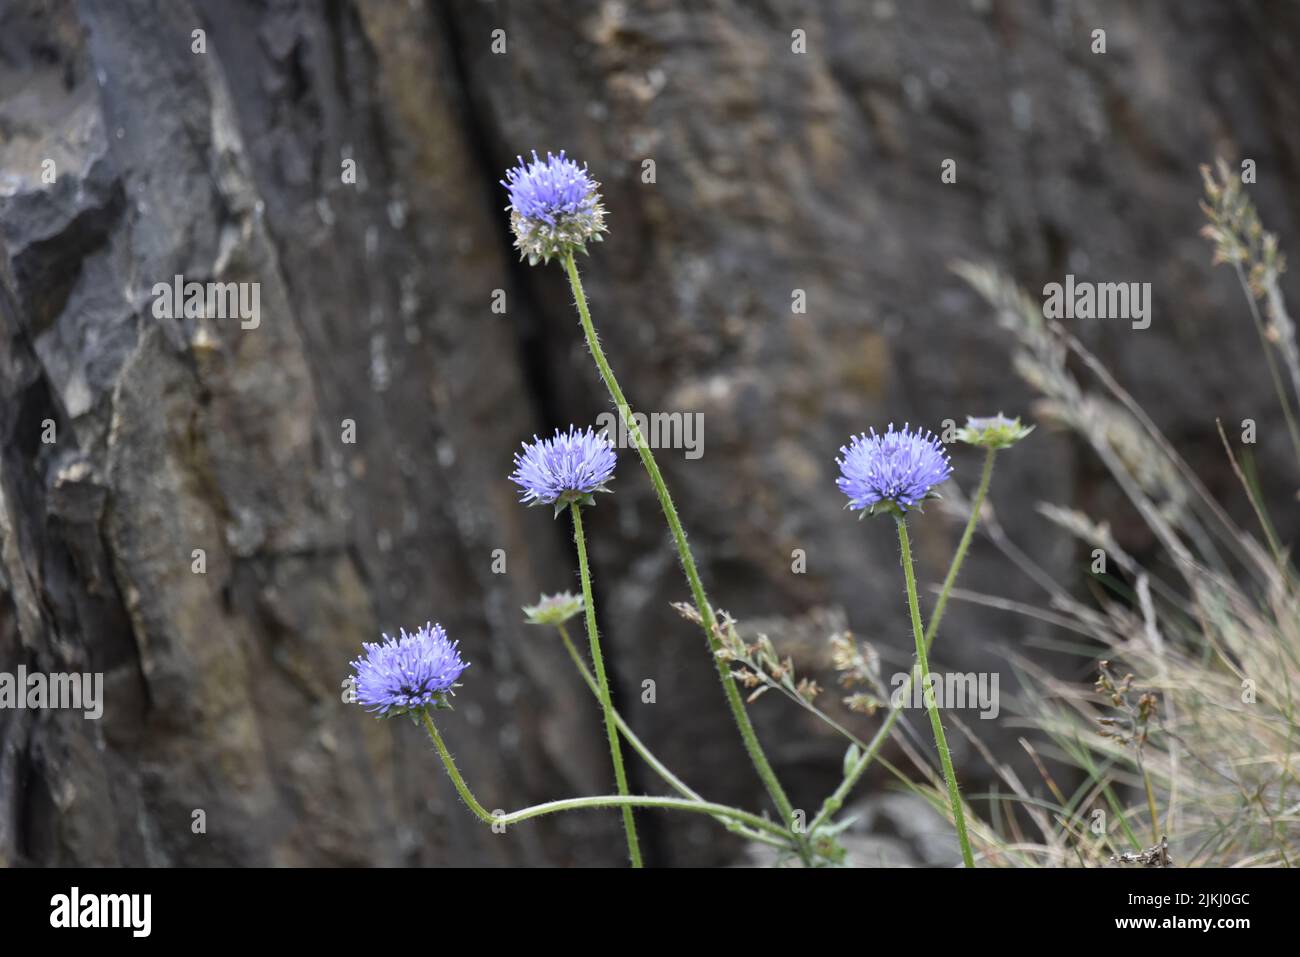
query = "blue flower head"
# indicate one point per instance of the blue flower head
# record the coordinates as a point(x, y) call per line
point(554, 207)
point(564, 469)
point(896, 471)
point(409, 674)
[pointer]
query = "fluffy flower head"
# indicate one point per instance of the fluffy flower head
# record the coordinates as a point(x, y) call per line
point(897, 470)
point(993, 432)
point(408, 674)
point(554, 206)
point(554, 609)
point(564, 469)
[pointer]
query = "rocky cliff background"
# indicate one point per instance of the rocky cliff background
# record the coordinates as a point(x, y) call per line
point(774, 171)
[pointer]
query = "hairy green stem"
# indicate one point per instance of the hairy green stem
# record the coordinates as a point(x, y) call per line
point(645, 801)
point(602, 684)
point(588, 803)
point(641, 748)
point(836, 800)
point(968, 533)
point(708, 619)
point(940, 742)
point(453, 772)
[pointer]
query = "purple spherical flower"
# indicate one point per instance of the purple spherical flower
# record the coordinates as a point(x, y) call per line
point(408, 674)
point(554, 206)
point(566, 468)
point(897, 469)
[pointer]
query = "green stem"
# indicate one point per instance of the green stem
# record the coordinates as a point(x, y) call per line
point(708, 620)
point(453, 772)
point(602, 684)
point(968, 533)
point(837, 798)
point(641, 748)
point(601, 801)
point(646, 801)
point(941, 742)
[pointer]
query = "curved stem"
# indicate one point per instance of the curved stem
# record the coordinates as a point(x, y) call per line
point(453, 772)
point(601, 801)
point(645, 801)
point(602, 684)
point(708, 620)
point(639, 746)
point(643, 749)
point(941, 742)
point(968, 533)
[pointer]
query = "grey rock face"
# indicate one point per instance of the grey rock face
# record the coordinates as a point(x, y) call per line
point(773, 172)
